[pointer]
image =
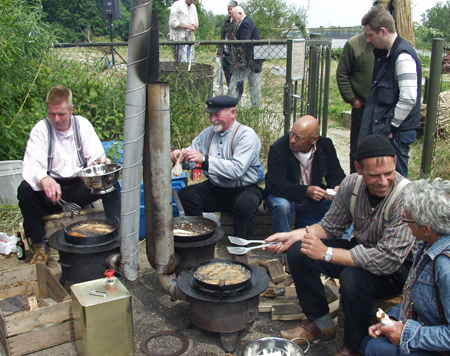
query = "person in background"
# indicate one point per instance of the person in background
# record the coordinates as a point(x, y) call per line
point(229, 154)
point(298, 164)
point(373, 264)
point(223, 51)
point(354, 79)
point(393, 105)
point(243, 63)
point(417, 329)
point(58, 147)
point(183, 22)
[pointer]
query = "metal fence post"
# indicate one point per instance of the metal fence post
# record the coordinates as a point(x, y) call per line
point(326, 90)
point(287, 105)
point(437, 50)
point(314, 72)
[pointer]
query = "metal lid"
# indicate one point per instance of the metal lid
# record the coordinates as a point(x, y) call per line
point(82, 292)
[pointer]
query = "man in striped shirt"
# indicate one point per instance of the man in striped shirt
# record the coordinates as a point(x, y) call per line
point(373, 264)
point(393, 105)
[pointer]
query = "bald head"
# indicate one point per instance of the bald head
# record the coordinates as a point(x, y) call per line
point(237, 14)
point(304, 134)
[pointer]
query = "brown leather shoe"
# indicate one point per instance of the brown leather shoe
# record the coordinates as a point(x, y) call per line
point(345, 351)
point(39, 254)
point(309, 331)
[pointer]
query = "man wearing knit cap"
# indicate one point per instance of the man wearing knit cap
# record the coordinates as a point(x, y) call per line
point(373, 264)
point(229, 154)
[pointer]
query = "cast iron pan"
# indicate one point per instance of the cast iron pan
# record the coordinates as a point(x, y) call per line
point(94, 239)
point(191, 219)
point(224, 287)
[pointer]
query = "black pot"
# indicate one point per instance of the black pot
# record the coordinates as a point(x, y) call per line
point(224, 287)
point(91, 240)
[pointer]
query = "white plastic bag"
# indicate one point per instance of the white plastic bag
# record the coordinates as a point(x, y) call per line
point(7, 244)
point(219, 73)
point(213, 217)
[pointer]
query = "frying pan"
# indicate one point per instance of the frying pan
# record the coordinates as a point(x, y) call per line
point(191, 219)
point(95, 238)
point(224, 287)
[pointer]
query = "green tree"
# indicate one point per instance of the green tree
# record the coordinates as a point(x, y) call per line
point(275, 18)
point(24, 42)
point(437, 18)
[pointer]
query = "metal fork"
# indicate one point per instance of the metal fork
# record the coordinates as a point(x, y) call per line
point(243, 242)
point(235, 250)
point(69, 208)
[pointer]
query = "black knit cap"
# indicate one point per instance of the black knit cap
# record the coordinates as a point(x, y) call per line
point(374, 146)
point(220, 102)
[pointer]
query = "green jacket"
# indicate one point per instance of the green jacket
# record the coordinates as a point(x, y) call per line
point(355, 69)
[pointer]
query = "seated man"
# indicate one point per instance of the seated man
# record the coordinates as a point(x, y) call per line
point(297, 166)
point(373, 264)
point(58, 147)
point(229, 154)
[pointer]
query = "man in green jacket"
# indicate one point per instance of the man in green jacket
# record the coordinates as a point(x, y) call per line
point(354, 79)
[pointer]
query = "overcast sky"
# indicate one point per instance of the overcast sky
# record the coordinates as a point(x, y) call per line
point(331, 12)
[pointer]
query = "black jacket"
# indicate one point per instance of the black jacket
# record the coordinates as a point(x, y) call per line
point(242, 55)
point(283, 170)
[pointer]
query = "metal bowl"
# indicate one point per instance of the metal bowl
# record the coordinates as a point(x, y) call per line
point(274, 346)
point(100, 179)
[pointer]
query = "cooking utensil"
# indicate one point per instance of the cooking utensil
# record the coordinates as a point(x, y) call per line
point(100, 179)
point(243, 242)
point(69, 208)
point(235, 250)
point(274, 346)
point(191, 219)
point(72, 233)
point(223, 286)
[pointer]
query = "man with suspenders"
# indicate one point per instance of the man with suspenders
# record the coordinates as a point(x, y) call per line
point(229, 154)
point(373, 264)
point(57, 148)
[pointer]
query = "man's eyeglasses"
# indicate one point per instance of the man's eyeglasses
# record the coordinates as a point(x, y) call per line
point(297, 137)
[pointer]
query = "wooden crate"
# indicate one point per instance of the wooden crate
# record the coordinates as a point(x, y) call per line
point(29, 331)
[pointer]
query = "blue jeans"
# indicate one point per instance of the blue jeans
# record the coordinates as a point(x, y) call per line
point(401, 141)
point(283, 210)
point(381, 346)
point(183, 53)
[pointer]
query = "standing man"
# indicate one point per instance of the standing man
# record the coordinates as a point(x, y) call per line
point(243, 63)
point(354, 79)
point(373, 264)
point(58, 147)
point(229, 154)
point(393, 105)
point(298, 165)
point(223, 51)
point(183, 22)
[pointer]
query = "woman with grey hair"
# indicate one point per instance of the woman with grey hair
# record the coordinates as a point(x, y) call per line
point(417, 328)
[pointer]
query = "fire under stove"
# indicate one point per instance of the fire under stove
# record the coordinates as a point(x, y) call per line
point(225, 312)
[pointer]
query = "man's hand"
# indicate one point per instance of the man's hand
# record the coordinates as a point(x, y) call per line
point(312, 246)
point(393, 332)
point(195, 26)
point(192, 156)
point(375, 330)
point(174, 156)
point(315, 193)
point(51, 189)
point(356, 105)
point(102, 160)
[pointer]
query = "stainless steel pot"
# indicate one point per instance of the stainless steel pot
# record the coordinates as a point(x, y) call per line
point(274, 346)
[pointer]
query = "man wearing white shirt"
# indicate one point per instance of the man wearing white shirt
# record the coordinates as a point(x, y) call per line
point(49, 171)
point(183, 22)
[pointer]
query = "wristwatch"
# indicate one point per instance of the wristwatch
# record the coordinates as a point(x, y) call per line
point(329, 254)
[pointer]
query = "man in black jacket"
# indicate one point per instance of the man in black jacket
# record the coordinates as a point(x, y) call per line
point(243, 63)
point(297, 167)
point(223, 50)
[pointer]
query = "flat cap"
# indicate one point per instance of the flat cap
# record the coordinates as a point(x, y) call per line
point(374, 146)
point(220, 102)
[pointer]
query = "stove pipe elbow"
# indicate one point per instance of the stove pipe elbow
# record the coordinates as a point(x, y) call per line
point(170, 285)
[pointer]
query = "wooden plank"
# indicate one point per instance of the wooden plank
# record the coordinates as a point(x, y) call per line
point(42, 280)
point(334, 308)
point(20, 323)
point(11, 292)
point(265, 306)
point(14, 304)
point(4, 341)
point(276, 271)
point(287, 312)
point(290, 291)
point(51, 336)
point(54, 289)
point(23, 274)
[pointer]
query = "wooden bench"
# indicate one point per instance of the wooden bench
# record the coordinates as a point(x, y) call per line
point(53, 221)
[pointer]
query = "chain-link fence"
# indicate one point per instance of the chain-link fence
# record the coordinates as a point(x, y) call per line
point(195, 72)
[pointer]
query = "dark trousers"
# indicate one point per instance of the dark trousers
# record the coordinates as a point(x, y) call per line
point(357, 115)
point(35, 204)
point(243, 202)
point(226, 67)
point(358, 289)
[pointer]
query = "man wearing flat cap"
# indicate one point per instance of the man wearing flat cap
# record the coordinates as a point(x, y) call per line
point(229, 154)
point(373, 264)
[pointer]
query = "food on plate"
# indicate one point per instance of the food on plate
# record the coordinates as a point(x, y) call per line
point(220, 273)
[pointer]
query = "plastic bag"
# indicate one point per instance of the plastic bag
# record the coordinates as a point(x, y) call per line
point(219, 73)
point(7, 244)
point(213, 217)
